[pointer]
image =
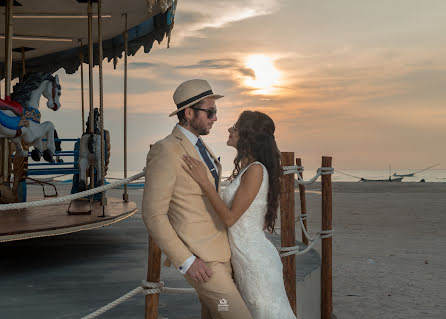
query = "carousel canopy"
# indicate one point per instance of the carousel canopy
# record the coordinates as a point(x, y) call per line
point(53, 33)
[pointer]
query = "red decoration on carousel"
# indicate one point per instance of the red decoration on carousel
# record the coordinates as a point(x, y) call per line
point(8, 104)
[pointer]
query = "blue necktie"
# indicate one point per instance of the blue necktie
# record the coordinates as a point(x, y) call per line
point(208, 161)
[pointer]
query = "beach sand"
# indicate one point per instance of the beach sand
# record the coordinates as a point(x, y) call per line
point(388, 258)
point(388, 248)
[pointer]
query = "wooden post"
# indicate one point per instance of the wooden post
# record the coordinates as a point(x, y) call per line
point(303, 203)
point(287, 231)
point(326, 267)
point(153, 275)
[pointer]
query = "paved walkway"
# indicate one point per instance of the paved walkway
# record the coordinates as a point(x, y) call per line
point(72, 275)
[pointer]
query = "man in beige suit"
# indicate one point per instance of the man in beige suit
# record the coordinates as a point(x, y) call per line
point(179, 216)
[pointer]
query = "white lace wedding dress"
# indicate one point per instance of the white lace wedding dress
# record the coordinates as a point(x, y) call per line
point(255, 261)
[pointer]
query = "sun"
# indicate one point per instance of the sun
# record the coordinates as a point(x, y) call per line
point(266, 77)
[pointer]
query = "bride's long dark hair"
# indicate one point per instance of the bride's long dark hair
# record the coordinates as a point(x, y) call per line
point(256, 141)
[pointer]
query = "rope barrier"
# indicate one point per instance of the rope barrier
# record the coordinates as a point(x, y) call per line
point(321, 235)
point(337, 171)
point(89, 192)
point(294, 168)
point(302, 218)
point(147, 288)
point(297, 169)
point(114, 303)
point(294, 250)
point(151, 288)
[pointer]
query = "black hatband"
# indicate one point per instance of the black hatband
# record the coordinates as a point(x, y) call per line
point(196, 97)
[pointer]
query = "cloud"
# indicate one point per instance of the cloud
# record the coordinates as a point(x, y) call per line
point(195, 16)
point(221, 64)
point(361, 94)
point(141, 65)
point(211, 64)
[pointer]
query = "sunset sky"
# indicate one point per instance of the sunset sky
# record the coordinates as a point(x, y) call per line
point(362, 81)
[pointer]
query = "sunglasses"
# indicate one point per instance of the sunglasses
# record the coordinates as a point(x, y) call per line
point(211, 112)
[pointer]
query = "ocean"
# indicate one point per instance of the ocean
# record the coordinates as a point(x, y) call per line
point(431, 175)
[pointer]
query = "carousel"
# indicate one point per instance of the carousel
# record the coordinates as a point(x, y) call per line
point(38, 38)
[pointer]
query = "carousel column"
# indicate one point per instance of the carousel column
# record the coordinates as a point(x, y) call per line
point(23, 61)
point(125, 196)
point(81, 62)
point(19, 163)
point(90, 79)
point(101, 106)
point(5, 165)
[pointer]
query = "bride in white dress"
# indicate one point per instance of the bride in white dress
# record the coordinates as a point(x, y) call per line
point(248, 207)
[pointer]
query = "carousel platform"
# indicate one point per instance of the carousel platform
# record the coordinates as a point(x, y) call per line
point(72, 275)
point(54, 220)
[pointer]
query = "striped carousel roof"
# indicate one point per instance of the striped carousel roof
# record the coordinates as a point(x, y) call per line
point(50, 31)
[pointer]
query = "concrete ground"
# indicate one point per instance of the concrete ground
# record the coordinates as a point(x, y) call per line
point(72, 275)
point(388, 260)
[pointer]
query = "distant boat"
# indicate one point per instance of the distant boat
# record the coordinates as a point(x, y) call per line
point(413, 174)
point(390, 179)
point(362, 179)
point(403, 175)
point(398, 179)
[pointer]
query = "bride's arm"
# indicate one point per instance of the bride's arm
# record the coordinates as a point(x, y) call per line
point(249, 187)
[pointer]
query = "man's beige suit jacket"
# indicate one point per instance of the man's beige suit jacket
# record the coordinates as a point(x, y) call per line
point(178, 215)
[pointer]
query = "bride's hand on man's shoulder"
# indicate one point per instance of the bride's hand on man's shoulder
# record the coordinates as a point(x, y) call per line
point(195, 168)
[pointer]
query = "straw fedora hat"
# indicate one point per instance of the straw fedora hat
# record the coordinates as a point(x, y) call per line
point(191, 92)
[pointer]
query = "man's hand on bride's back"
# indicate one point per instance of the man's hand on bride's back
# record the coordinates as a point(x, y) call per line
point(199, 271)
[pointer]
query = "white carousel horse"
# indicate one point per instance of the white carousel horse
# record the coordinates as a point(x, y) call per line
point(20, 117)
point(90, 152)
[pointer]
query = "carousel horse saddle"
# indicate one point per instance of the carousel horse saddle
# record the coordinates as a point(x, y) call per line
point(16, 122)
point(13, 106)
point(11, 122)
